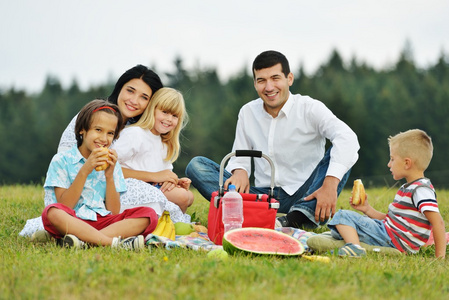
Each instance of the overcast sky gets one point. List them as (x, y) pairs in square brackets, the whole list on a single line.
[(100, 39)]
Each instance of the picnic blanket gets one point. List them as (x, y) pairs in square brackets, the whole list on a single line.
[(202, 242)]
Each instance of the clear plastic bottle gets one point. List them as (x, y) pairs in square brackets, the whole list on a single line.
[(232, 209)]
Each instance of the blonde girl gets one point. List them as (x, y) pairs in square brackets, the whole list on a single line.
[(150, 146)]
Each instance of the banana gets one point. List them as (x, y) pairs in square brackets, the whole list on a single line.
[(169, 230), (319, 258), (160, 227), (165, 227), (173, 230)]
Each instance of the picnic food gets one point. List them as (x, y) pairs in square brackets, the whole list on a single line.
[(105, 165), (358, 192), (165, 226), (200, 228), (217, 254), (319, 258), (183, 228), (263, 241)]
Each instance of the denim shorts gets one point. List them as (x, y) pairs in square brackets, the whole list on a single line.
[(370, 231)]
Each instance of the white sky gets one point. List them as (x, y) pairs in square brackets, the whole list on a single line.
[(93, 41)]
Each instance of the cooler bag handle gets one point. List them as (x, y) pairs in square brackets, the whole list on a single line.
[(250, 153)]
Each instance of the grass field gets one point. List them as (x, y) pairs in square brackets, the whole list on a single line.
[(36, 271)]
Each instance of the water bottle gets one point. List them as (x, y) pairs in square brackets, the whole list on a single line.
[(232, 209)]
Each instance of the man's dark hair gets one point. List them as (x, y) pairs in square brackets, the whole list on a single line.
[(271, 58)]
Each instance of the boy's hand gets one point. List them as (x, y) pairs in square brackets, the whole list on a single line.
[(360, 207), (439, 232)]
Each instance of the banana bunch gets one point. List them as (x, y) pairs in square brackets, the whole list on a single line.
[(165, 226)]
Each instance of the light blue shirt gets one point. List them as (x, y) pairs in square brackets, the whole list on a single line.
[(62, 172)]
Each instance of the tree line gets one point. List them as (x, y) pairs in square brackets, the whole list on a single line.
[(374, 103)]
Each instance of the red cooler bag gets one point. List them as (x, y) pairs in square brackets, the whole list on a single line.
[(258, 210)]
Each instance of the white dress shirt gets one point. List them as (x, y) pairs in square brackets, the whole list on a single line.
[(295, 141)]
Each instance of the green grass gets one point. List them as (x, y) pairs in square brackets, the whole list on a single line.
[(33, 271)]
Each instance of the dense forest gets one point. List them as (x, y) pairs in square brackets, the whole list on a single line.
[(374, 103)]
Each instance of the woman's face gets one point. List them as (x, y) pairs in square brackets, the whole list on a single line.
[(133, 98)]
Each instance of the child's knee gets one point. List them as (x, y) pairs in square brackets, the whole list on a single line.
[(53, 214), (151, 214)]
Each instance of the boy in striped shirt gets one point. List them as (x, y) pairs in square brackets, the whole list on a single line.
[(412, 214)]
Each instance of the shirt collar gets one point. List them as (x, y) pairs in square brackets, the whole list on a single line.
[(76, 156), (287, 108)]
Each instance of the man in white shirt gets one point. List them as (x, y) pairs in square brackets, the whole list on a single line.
[(292, 130)]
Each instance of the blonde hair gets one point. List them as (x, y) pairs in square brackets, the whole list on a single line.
[(414, 144), (171, 101)]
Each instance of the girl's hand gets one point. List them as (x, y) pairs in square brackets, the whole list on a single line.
[(112, 159), (184, 183), (95, 159)]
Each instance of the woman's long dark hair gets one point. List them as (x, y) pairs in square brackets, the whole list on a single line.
[(141, 72)]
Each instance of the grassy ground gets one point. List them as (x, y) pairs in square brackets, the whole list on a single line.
[(33, 271)]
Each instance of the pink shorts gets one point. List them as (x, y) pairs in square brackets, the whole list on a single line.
[(102, 222)]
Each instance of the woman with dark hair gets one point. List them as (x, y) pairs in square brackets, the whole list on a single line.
[(131, 93)]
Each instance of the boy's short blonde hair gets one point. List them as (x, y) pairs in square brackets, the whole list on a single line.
[(414, 144)]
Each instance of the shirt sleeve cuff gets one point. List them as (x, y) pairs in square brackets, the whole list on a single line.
[(336, 170)]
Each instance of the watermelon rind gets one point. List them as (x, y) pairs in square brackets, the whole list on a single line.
[(261, 241)]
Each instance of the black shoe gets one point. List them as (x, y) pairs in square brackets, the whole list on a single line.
[(281, 222), (297, 219)]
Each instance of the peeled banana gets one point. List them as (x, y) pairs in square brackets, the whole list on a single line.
[(165, 227)]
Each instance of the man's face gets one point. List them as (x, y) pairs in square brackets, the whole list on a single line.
[(273, 87)]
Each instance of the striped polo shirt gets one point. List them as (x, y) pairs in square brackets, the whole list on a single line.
[(405, 222)]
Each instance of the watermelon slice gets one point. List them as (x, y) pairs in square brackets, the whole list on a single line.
[(261, 241)]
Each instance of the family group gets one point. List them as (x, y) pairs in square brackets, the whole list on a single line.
[(135, 135)]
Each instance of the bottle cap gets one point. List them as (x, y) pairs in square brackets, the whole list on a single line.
[(231, 187)]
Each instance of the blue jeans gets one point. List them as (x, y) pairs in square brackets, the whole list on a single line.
[(204, 174), (370, 231)]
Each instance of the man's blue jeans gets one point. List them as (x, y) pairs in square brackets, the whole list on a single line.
[(204, 174)]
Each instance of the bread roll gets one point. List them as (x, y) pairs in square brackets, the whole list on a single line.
[(105, 165), (358, 192)]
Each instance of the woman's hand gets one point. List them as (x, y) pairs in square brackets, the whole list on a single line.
[(167, 186)]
